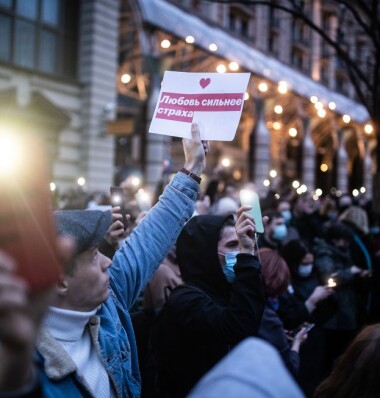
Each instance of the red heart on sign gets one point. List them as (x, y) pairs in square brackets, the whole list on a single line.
[(204, 82)]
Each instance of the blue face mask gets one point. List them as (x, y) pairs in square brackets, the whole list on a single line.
[(228, 269), (287, 214), (305, 270), (280, 232)]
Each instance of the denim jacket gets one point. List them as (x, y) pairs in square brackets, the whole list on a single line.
[(111, 329)]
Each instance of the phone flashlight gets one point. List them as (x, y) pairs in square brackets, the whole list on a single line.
[(118, 199), (331, 282)]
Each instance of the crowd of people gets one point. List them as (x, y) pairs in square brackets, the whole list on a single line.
[(189, 301)]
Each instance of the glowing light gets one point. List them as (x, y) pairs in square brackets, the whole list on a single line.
[(315, 197), (237, 175), (234, 66), (303, 187), (295, 184), (226, 162), (324, 167), (190, 39), (166, 43), (125, 78), (278, 109), (273, 173), (318, 105), (277, 125), (293, 132), (53, 187), (362, 189), (263, 87), (313, 99), (277, 196), (332, 105), (282, 87), (321, 113), (212, 47), (318, 192), (346, 118), (135, 181), (81, 181), (368, 128), (10, 154), (355, 193), (116, 199), (246, 96), (266, 183), (331, 282), (221, 68), (143, 198)]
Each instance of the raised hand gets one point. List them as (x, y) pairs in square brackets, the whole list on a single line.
[(195, 151)]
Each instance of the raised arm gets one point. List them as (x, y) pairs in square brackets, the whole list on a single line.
[(136, 261)]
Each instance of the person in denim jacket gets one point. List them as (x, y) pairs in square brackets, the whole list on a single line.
[(86, 346)]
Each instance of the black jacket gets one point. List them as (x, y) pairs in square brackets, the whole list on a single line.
[(204, 318), (329, 259)]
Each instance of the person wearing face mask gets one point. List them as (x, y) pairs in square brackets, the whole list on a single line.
[(333, 260), (306, 301), (275, 232), (220, 303)]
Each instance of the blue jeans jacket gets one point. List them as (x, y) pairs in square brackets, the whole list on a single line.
[(132, 267)]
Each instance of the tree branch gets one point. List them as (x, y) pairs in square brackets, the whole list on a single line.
[(370, 32), (342, 54)]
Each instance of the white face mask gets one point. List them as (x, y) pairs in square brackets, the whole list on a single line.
[(305, 270)]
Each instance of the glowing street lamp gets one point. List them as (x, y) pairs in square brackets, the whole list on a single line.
[(263, 87), (166, 43), (125, 78), (81, 181)]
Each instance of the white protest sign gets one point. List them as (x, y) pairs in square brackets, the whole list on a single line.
[(213, 100)]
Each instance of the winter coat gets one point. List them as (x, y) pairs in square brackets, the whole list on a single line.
[(328, 260), (204, 318)]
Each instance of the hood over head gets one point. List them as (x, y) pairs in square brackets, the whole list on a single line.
[(197, 254)]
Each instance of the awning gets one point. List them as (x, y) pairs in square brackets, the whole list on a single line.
[(179, 23)]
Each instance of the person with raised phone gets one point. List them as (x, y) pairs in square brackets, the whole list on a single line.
[(86, 345), (220, 303)]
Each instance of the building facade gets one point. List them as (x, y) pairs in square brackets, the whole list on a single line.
[(86, 75), (301, 119), (58, 61)]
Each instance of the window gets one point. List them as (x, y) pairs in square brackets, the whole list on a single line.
[(239, 22), (39, 35), (297, 58)]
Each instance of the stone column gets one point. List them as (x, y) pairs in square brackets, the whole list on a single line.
[(259, 154), (98, 53), (342, 162), (308, 160)]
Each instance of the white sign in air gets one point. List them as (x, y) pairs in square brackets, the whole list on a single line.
[(212, 100)]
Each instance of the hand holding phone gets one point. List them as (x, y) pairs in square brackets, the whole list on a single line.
[(27, 231), (250, 198), (118, 199), (307, 326)]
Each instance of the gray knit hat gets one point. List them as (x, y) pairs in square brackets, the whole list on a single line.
[(87, 227)]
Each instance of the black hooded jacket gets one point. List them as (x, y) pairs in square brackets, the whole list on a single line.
[(204, 318)]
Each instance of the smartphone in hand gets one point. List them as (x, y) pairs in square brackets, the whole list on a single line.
[(118, 199), (27, 230), (250, 198), (306, 325)]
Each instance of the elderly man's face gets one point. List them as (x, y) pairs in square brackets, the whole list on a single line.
[(88, 285)]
